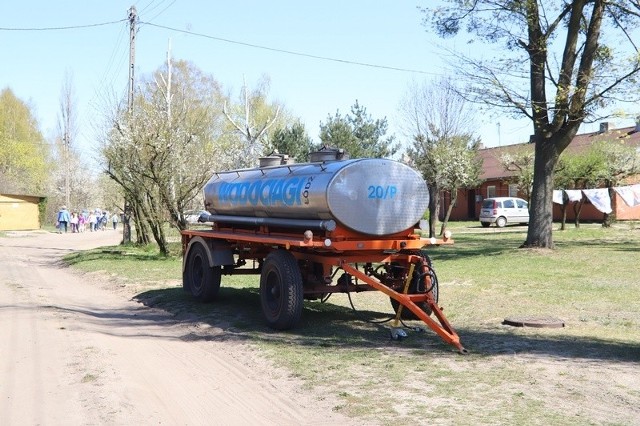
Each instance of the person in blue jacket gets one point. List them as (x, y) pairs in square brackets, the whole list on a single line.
[(63, 219)]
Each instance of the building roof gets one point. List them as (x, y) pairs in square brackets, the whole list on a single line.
[(493, 169), (4, 194)]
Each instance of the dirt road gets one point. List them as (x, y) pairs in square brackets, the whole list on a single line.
[(74, 353)]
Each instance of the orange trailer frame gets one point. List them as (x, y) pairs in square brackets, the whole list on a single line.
[(402, 272)]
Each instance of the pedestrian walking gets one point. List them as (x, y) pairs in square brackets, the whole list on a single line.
[(63, 219), (103, 220), (81, 222), (93, 220), (114, 221), (74, 222)]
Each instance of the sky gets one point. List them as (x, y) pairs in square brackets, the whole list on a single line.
[(384, 33)]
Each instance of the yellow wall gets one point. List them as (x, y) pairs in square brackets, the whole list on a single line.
[(18, 212)]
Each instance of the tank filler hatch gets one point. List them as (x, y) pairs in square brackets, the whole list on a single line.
[(327, 153)]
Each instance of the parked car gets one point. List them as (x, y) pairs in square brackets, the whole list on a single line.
[(503, 211)]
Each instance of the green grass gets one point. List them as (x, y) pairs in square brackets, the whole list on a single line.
[(591, 281), (141, 265)]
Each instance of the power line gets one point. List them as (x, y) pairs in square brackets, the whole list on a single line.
[(289, 52), (255, 46), (109, 73), (163, 10), (73, 27), (150, 7)]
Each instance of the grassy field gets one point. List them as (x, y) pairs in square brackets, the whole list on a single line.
[(585, 373)]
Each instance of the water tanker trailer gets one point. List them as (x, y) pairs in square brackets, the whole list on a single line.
[(309, 230)]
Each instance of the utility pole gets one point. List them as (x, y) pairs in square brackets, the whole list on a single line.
[(168, 100), (66, 118), (133, 17), (67, 158), (169, 83)]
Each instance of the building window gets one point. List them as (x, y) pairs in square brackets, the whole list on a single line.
[(513, 190), (491, 191)]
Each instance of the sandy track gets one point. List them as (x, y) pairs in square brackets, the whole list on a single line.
[(72, 352)]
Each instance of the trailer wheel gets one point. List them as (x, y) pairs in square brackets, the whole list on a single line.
[(202, 280), (413, 289), (281, 292)]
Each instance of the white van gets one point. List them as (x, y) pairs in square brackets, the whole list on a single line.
[(503, 211)]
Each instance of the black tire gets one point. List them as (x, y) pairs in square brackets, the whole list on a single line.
[(485, 224), (200, 279), (501, 222), (413, 289), (281, 292)]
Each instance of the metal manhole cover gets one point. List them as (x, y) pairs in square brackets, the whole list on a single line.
[(538, 322)]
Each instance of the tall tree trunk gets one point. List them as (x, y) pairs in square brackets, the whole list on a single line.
[(159, 236), (434, 207), (142, 231), (577, 209), (609, 218), (154, 220), (452, 203), (126, 223), (540, 229), (565, 204)]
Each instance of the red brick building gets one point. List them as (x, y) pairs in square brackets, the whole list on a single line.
[(497, 182)]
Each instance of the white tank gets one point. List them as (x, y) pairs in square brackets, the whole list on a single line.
[(372, 196)]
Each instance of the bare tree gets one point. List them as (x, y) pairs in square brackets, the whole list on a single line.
[(163, 152), (251, 119), (68, 130), (439, 122), (71, 180), (562, 63)]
